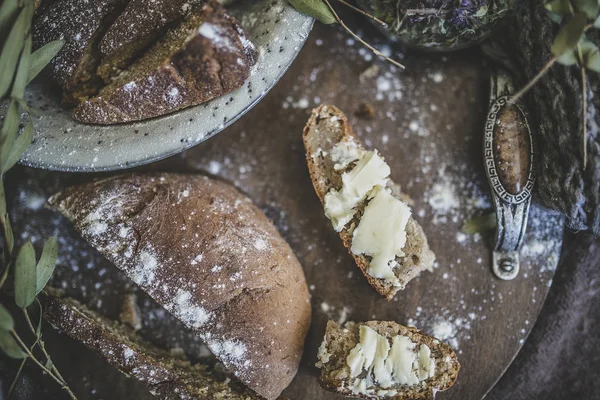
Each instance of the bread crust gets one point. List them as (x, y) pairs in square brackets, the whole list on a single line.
[(80, 25), (343, 338), (208, 255), (326, 127)]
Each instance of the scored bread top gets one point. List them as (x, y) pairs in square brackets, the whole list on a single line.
[(326, 127), (340, 340), (166, 377), (204, 57), (208, 255), (137, 26)]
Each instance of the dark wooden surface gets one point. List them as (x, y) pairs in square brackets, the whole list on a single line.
[(428, 125)]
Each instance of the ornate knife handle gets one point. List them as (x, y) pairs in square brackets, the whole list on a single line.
[(509, 165)]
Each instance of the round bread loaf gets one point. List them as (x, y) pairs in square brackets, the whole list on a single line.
[(208, 255)]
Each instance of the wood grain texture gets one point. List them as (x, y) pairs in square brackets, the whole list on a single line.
[(429, 126)]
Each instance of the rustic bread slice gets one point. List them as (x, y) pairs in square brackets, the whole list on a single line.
[(436, 362), (206, 56), (165, 376), (208, 255), (326, 127), (81, 25), (140, 23)]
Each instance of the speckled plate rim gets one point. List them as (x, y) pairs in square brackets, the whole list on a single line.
[(300, 28)]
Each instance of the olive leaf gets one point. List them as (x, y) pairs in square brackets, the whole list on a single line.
[(11, 122), (47, 263), (589, 7), (481, 12), (569, 35), (314, 8), (591, 55), (25, 276), (8, 11), (597, 23), (480, 224), (558, 7), (42, 56), (6, 320), (18, 89), (11, 51), (568, 59), (10, 347), (18, 147), (38, 329)]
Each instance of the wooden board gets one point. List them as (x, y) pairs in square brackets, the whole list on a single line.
[(429, 126)]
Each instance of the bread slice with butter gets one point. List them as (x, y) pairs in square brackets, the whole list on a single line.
[(385, 360), (363, 204)]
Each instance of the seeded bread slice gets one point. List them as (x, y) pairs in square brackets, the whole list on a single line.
[(206, 56), (166, 377), (339, 340), (80, 24), (326, 127), (140, 23), (208, 255)]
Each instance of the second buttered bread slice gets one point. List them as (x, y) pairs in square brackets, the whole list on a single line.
[(208, 255), (390, 247)]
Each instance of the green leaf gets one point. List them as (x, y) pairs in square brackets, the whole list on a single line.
[(569, 35), (569, 58), (589, 7), (19, 146), (11, 51), (597, 23), (10, 347), (480, 224), (47, 263), (25, 276), (6, 320), (558, 7), (42, 56), (49, 364), (8, 234), (18, 89), (314, 8), (10, 124), (481, 12), (8, 12), (591, 55)]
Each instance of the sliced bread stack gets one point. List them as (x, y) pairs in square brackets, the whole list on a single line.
[(391, 249), (211, 258), (154, 57)]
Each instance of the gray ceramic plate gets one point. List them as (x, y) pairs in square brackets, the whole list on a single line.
[(277, 30)]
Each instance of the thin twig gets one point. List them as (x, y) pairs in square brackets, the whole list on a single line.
[(584, 105), (422, 11), (373, 49), (363, 12), (41, 343), (532, 82), (43, 367)]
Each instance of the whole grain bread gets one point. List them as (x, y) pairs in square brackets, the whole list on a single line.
[(166, 377), (80, 24), (140, 23), (208, 255), (204, 57), (339, 340), (326, 127)]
